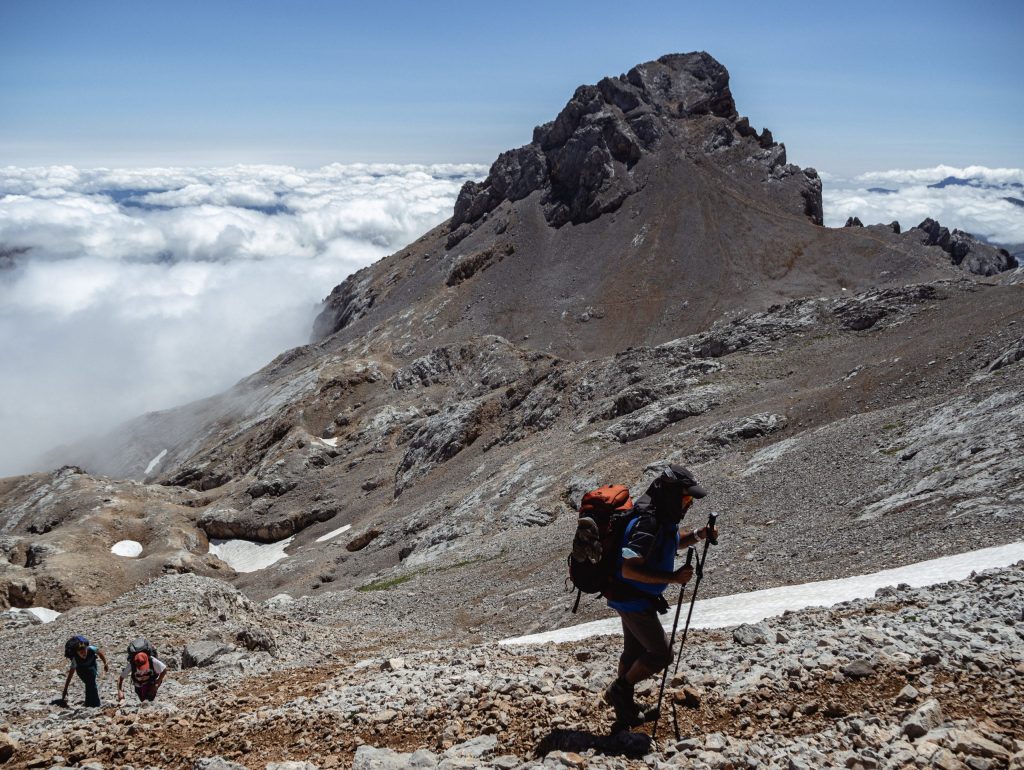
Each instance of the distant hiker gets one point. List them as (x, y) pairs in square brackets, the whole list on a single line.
[(146, 673), (83, 658), (645, 570), (145, 670)]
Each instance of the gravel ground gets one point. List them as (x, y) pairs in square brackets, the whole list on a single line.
[(925, 677)]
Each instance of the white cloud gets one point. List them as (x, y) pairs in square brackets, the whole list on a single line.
[(935, 174), (980, 208), (145, 288)]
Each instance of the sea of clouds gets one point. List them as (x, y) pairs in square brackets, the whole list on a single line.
[(124, 291), (977, 201)]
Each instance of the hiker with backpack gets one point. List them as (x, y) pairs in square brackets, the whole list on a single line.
[(145, 670), (634, 551), (83, 657)]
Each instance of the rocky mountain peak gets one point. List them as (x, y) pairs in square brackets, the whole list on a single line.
[(582, 162)]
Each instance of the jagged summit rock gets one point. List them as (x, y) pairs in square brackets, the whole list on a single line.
[(582, 161)]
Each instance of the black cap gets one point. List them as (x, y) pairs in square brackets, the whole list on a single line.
[(685, 479)]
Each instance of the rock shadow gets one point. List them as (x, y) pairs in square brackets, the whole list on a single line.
[(624, 744)]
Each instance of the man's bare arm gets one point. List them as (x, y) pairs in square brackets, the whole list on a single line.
[(634, 569)]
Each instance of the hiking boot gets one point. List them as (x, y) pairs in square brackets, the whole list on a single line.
[(619, 696)]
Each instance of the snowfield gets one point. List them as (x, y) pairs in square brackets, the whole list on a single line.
[(249, 556), (753, 606)]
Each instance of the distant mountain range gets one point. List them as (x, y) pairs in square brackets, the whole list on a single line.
[(954, 181)]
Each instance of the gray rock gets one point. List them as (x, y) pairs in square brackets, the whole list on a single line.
[(973, 744), (216, 763), (858, 669), (908, 694), (477, 748), (927, 717), (370, 758), (279, 601), (257, 639), (201, 654), (751, 634), (1011, 355)]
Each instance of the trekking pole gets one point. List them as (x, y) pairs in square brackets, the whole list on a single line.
[(699, 573), (708, 541), (675, 623)]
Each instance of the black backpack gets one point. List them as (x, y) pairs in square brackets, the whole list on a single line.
[(140, 645), (605, 514), (72, 645)]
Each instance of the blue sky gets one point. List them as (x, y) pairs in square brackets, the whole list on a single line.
[(849, 87)]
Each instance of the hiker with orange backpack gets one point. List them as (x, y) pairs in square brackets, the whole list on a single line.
[(146, 671), (645, 568)]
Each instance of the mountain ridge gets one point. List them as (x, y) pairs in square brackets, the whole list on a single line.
[(458, 399)]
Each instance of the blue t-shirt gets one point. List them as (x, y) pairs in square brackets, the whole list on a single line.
[(657, 542)]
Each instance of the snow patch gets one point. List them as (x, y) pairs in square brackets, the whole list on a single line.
[(130, 549), (330, 441), (247, 555), (753, 606), (334, 533), (42, 614), (155, 462)]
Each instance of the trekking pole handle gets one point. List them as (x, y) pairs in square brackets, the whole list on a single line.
[(712, 518), (689, 555)]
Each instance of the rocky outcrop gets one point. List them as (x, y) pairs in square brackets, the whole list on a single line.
[(1011, 355), (349, 301), (745, 429), (582, 162), (865, 310), (656, 417), (964, 249), (437, 439), (264, 525)]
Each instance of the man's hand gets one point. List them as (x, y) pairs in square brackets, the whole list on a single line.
[(682, 575), (703, 533)]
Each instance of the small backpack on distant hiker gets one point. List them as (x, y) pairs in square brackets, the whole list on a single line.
[(141, 645), (605, 513), (72, 645)]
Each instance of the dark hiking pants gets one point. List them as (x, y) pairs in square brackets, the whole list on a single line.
[(146, 691), (88, 675), (644, 639)]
